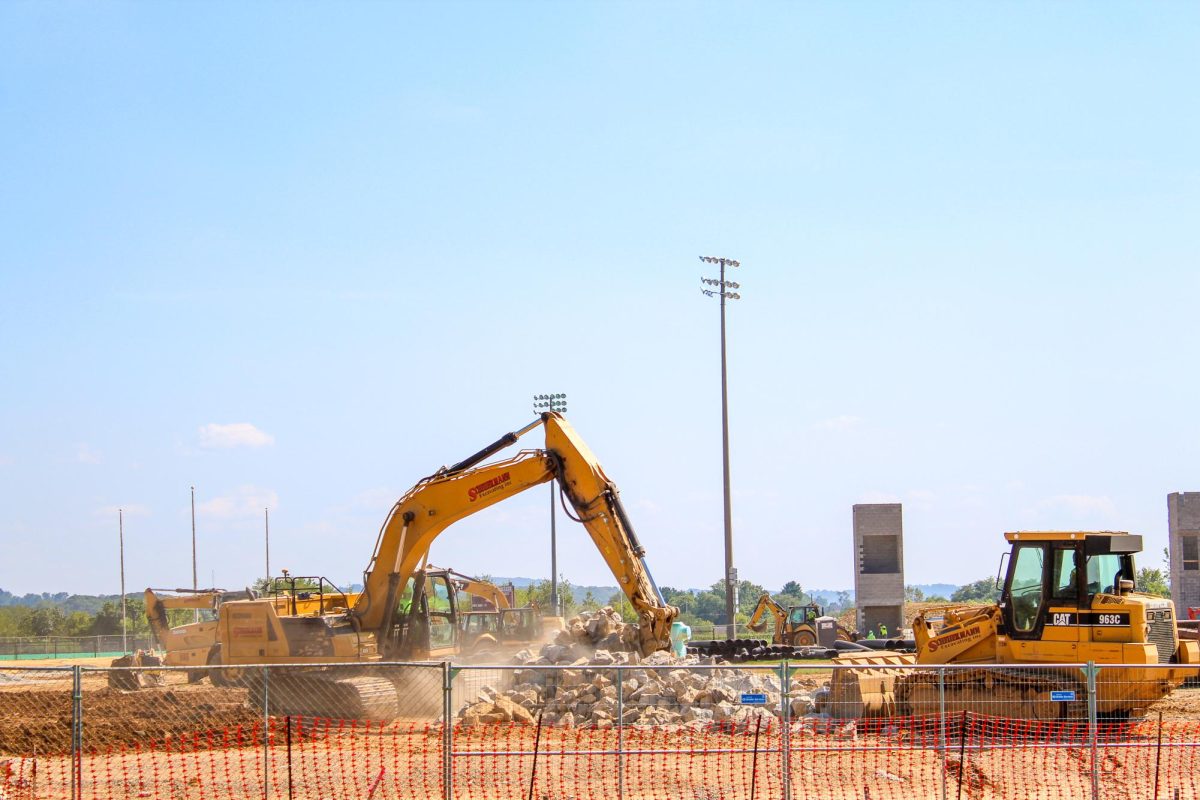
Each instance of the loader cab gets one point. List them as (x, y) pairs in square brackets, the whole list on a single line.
[(1064, 571)]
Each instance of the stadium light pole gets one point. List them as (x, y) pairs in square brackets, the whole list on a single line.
[(124, 616), (267, 540), (721, 289), (552, 402), (195, 581)]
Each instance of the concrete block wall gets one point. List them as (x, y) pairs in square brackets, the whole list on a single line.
[(879, 566), (1183, 525)]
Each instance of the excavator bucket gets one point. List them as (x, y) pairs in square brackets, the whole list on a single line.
[(869, 688), (131, 680)]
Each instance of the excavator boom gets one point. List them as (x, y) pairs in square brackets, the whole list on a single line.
[(453, 493)]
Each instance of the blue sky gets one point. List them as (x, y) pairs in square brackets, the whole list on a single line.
[(371, 232)]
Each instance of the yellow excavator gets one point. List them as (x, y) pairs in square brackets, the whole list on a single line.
[(398, 616), (1067, 598), (795, 625)]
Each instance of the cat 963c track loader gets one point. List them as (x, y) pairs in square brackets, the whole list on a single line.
[(1067, 598)]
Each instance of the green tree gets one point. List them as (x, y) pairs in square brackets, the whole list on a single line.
[(710, 606), (1153, 581), (792, 588), (981, 591), (590, 603), (620, 603), (913, 594), (539, 592), (46, 621)]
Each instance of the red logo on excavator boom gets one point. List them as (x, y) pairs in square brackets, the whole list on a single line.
[(487, 487)]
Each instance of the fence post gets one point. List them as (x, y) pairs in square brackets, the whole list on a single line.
[(620, 734), (76, 732), (266, 732), (785, 739), (942, 724), (1092, 725), (447, 732), (1157, 756)]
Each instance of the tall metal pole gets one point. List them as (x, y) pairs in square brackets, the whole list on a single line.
[(195, 581), (267, 537), (552, 402), (553, 554), (731, 581), (124, 616)]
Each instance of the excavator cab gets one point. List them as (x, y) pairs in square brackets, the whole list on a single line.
[(426, 619)]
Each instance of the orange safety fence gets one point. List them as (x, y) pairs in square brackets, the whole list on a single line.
[(956, 756)]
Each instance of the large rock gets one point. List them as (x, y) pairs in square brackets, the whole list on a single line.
[(512, 711)]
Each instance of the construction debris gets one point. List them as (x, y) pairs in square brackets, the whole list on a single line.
[(586, 693)]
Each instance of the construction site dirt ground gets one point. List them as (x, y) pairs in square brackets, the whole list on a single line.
[(35, 709), (196, 740), (659, 764)]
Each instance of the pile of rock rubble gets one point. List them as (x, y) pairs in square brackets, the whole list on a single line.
[(586, 693)]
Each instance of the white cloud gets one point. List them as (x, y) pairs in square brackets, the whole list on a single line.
[(130, 510), (6, 461), (235, 434), (84, 454), (1082, 505), (244, 502), (845, 422)]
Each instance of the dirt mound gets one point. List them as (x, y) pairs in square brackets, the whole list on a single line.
[(39, 720)]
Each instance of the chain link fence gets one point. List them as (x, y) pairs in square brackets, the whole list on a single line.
[(621, 730), (27, 648)]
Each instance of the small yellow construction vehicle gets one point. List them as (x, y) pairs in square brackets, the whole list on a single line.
[(486, 631), (1067, 598), (404, 613), (795, 625)]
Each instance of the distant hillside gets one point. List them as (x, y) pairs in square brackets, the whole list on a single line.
[(67, 602)]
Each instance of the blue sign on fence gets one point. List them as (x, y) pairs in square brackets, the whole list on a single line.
[(1062, 697), (749, 699)]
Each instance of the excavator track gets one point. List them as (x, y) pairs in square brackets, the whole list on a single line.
[(358, 697)]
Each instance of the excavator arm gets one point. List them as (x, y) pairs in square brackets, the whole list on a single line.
[(488, 591), (157, 606), (456, 492), (766, 604)]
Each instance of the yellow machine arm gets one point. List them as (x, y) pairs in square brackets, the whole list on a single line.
[(156, 608), (766, 604), (488, 591), (463, 489)]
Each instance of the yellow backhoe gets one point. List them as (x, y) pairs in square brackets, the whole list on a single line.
[(1067, 598), (795, 625), (398, 616)]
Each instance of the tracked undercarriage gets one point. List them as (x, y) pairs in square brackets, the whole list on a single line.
[(333, 694)]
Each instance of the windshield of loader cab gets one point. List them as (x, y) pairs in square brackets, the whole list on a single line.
[(1104, 573)]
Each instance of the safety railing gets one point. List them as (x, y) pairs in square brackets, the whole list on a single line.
[(621, 730)]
